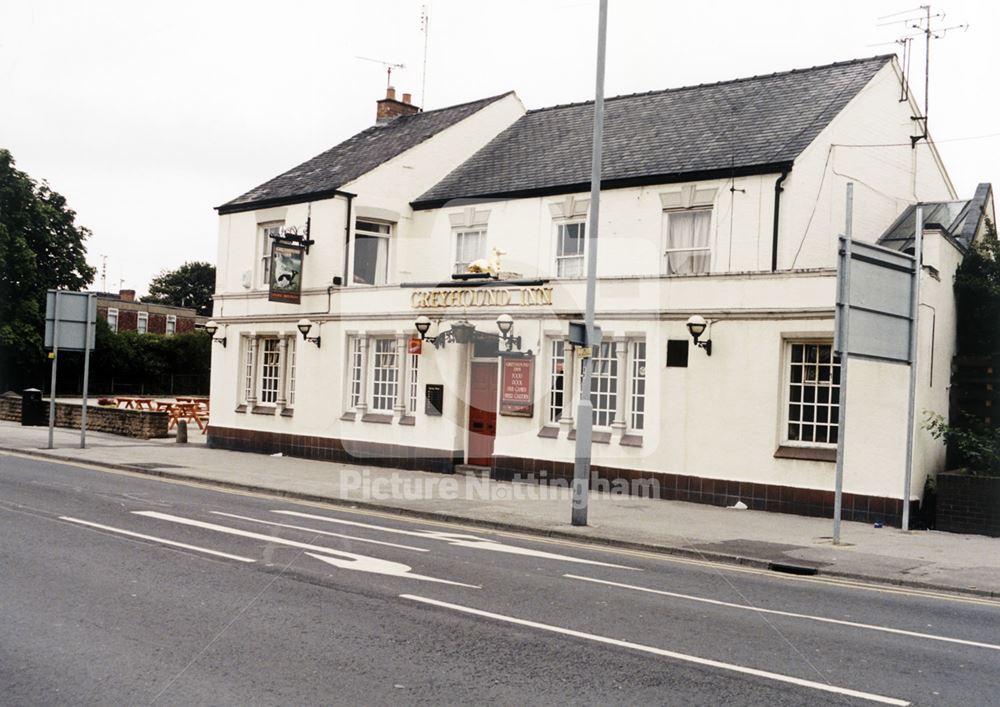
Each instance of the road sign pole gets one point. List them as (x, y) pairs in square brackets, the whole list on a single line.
[(88, 339), (584, 410), (841, 348), (918, 238), (55, 366)]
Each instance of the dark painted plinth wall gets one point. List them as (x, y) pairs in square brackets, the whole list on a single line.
[(335, 450), (673, 487)]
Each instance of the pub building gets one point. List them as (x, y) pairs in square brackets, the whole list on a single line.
[(404, 298)]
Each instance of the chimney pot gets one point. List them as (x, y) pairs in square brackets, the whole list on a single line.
[(388, 108), (126, 295)]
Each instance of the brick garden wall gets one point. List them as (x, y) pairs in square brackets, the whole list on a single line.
[(143, 424)]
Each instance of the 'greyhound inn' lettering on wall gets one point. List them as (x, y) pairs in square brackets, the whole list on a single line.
[(481, 297)]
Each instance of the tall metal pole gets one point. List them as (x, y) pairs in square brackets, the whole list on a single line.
[(918, 245), (55, 364), (842, 349), (585, 410), (88, 342)]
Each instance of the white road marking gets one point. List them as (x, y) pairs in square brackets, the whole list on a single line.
[(163, 541), (321, 532), (778, 677), (841, 622), (460, 540), (351, 561)]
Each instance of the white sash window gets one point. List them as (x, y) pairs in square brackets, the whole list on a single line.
[(687, 243)]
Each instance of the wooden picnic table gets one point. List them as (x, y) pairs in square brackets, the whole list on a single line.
[(192, 412), (200, 400), (134, 403)]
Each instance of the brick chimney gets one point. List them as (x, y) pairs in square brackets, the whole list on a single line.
[(389, 108), (126, 295)]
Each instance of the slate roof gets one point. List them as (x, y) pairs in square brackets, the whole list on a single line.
[(324, 174), (746, 125), (958, 220)]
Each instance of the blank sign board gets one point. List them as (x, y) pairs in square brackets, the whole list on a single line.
[(880, 293), (73, 319)]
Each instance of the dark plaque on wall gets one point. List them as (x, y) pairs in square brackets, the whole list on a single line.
[(433, 399), (677, 353)]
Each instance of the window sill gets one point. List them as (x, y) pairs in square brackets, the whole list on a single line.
[(288, 412), (408, 420), (631, 441), (548, 432), (596, 436), (348, 417), (380, 419), (815, 454), (263, 410), (241, 408)]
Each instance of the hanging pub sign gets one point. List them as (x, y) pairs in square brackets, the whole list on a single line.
[(286, 272), (517, 385)]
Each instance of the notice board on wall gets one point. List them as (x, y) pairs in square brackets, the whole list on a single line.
[(517, 385)]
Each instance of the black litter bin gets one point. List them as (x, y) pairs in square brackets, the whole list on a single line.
[(32, 408)]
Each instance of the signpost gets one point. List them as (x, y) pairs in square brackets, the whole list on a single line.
[(70, 325), (876, 320)]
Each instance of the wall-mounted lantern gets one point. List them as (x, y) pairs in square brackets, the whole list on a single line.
[(463, 332), (305, 326), (697, 325), (211, 328)]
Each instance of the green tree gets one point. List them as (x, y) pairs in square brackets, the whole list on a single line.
[(977, 294), (41, 247), (190, 285)]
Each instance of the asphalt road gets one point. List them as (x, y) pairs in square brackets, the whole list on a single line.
[(123, 589)]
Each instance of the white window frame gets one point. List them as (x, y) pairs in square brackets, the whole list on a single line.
[(557, 380), (264, 232), (381, 271), (638, 387), (268, 371), (290, 352), (112, 317), (384, 374), (142, 323), (355, 372), (560, 257), (461, 264), (247, 369), (414, 373), (814, 406), (668, 216), (171, 325), (605, 415)]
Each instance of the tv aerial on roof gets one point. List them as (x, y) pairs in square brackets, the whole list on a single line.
[(389, 66)]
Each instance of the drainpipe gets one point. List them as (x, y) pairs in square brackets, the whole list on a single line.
[(347, 237), (777, 208)]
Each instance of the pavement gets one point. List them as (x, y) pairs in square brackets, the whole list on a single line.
[(967, 564)]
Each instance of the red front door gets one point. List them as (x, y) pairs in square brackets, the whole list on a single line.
[(482, 412)]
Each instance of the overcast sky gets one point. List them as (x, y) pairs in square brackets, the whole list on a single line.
[(146, 115)]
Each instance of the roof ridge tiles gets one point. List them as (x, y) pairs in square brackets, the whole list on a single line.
[(741, 79)]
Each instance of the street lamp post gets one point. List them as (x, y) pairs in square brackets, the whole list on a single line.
[(585, 410)]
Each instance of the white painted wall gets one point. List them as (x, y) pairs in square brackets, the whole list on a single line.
[(722, 417)]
